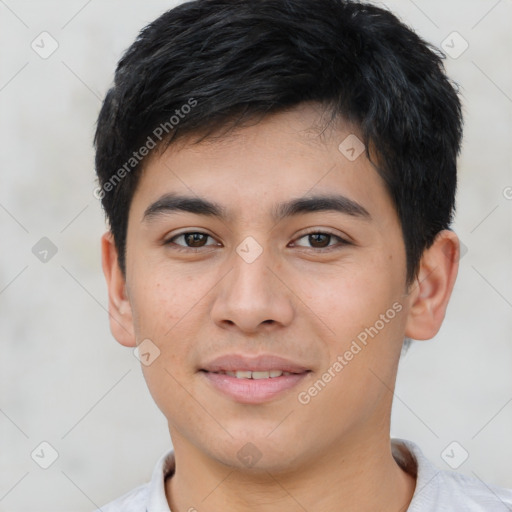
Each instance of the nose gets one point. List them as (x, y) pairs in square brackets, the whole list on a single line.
[(252, 297)]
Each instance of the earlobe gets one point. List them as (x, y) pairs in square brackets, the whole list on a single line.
[(431, 291), (119, 308)]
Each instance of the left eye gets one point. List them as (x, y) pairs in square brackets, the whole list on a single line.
[(320, 240), (192, 239)]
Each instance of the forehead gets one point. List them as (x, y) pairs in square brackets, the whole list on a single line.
[(293, 154)]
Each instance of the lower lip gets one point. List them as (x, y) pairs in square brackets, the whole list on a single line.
[(253, 391)]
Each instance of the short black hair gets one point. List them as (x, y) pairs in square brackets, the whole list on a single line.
[(208, 65)]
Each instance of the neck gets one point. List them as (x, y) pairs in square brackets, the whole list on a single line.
[(356, 475)]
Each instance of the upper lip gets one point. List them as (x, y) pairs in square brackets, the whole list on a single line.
[(262, 362)]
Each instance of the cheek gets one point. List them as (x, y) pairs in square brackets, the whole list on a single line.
[(161, 299), (351, 299), (165, 307), (171, 308)]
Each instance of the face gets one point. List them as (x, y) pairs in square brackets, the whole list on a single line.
[(298, 254)]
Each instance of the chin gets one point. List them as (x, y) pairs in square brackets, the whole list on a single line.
[(256, 452)]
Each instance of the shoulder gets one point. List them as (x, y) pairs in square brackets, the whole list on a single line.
[(444, 491), (149, 496), (475, 494), (133, 501)]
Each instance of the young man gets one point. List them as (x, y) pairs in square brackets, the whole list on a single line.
[(279, 179)]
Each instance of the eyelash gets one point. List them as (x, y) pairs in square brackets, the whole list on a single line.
[(342, 242)]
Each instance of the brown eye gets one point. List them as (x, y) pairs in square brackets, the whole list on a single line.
[(195, 239), (190, 239), (321, 240)]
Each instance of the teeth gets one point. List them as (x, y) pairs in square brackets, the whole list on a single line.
[(244, 374), (260, 375)]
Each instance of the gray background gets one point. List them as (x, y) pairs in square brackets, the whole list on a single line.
[(64, 380)]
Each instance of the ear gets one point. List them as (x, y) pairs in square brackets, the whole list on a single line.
[(119, 308), (431, 291)]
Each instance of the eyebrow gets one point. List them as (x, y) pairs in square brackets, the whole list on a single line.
[(171, 203)]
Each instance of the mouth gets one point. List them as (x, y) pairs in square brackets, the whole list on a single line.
[(256, 364), (256, 375), (253, 379), (253, 387)]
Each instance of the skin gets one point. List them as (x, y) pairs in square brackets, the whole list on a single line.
[(294, 300)]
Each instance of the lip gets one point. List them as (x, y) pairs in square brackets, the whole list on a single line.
[(253, 391), (262, 362)]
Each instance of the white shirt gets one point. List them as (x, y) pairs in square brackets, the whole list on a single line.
[(436, 491)]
